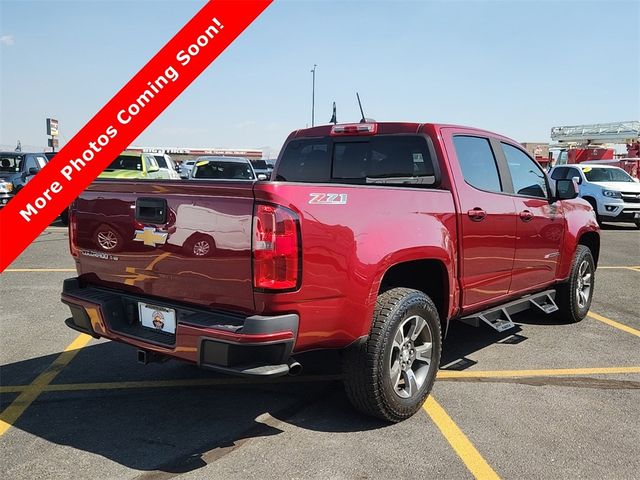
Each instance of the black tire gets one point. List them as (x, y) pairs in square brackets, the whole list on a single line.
[(199, 245), (595, 210), (637, 222), (368, 367), (572, 308), (107, 238)]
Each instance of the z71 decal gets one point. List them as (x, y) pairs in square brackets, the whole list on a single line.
[(328, 199)]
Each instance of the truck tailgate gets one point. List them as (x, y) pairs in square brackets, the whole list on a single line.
[(183, 241)]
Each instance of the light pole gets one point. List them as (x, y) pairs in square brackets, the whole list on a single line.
[(313, 95)]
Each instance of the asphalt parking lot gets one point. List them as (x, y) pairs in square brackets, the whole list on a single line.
[(550, 400)]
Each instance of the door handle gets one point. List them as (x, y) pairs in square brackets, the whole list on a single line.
[(526, 216), (477, 214)]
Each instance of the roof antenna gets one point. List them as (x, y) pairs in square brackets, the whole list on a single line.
[(334, 119), (362, 120)]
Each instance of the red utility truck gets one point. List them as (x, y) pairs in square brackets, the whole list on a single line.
[(370, 238)]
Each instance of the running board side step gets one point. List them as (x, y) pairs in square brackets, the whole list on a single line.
[(499, 318)]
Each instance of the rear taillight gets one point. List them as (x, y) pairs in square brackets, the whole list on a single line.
[(73, 231), (276, 248)]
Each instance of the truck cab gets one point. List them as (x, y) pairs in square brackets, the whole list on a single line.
[(16, 169)]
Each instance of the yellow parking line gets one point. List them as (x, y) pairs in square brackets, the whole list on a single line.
[(552, 372), (10, 414), (40, 270), (469, 455), (632, 267), (614, 324)]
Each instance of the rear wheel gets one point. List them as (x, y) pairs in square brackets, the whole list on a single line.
[(392, 373), (638, 224), (199, 245), (107, 238), (574, 297)]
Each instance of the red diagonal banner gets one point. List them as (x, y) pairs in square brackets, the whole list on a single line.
[(121, 120)]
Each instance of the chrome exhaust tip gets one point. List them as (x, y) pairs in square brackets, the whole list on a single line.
[(295, 368)]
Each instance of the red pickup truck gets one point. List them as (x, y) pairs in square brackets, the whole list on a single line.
[(370, 238)]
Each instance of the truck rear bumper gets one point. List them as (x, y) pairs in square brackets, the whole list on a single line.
[(254, 345)]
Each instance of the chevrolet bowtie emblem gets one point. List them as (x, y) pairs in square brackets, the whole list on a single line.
[(150, 236)]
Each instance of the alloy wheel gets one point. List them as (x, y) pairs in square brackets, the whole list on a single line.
[(107, 239), (583, 284), (201, 248), (411, 356)]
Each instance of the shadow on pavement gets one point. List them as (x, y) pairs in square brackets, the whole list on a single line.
[(182, 428), (172, 429)]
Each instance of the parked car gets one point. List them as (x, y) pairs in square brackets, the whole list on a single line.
[(131, 165), (261, 167), (612, 192), (166, 165), (186, 167), (372, 240), (16, 169), (223, 168)]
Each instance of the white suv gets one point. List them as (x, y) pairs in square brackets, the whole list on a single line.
[(612, 192)]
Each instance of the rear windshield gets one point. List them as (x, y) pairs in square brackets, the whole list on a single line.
[(223, 171), (10, 162), (378, 159), (126, 162)]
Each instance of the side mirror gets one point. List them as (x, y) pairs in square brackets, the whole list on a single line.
[(262, 176), (152, 168), (32, 171), (635, 180), (578, 180), (566, 189)]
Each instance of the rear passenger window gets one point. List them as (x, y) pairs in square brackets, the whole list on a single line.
[(477, 162), (306, 161)]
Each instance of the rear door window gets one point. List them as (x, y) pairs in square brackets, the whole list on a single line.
[(477, 162)]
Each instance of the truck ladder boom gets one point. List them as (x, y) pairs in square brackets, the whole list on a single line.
[(616, 132)]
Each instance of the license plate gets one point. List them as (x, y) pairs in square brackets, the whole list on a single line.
[(158, 318)]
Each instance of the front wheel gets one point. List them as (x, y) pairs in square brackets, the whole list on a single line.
[(574, 297), (392, 373)]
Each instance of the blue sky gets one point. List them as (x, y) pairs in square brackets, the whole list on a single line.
[(515, 67)]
